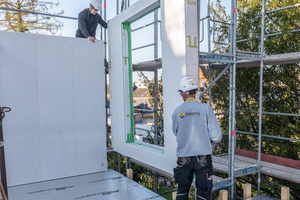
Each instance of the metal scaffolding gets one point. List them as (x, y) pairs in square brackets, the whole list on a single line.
[(230, 61), (213, 60)]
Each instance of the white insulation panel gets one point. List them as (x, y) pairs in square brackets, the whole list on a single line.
[(174, 67), (56, 89)]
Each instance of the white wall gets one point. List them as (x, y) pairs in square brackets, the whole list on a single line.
[(55, 88)]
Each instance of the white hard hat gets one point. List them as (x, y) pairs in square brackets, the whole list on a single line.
[(188, 84), (96, 4)]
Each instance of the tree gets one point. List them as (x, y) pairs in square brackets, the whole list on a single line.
[(27, 22), (281, 84), (150, 85)]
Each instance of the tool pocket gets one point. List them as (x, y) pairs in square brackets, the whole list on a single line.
[(204, 180), (209, 182), (181, 172)]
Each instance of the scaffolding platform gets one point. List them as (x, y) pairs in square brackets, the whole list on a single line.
[(223, 60), (244, 166), (262, 197), (96, 186), (278, 59)]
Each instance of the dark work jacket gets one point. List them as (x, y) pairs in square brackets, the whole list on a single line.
[(87, 24)]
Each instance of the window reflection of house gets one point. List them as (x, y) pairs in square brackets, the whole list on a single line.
[(141, 103), (203, 75)]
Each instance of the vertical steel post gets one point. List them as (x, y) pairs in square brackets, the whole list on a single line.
[(126, 164), (155, 91), (119, 163), (198, 22), (104, 18), (261, 92), (233, 91), (155, 75), (117, 7), (209, 47)]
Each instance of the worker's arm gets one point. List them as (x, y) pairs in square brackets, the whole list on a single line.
[(174, 124), (82, 24), (102, 22), (214, 128)]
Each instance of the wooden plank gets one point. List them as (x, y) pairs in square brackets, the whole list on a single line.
[(220, 164), (270, 158)]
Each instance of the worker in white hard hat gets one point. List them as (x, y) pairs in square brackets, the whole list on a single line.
[(88, 20), (196, 129)]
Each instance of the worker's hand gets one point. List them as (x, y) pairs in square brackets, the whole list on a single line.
[(92, 39), (213, 144)]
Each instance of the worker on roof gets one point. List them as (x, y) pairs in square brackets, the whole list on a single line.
[(88, 20), (196, 129)]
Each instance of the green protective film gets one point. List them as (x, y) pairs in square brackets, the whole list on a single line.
[(130, 136), (126, 26)]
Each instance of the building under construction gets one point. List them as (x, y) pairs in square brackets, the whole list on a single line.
[(53, 139)]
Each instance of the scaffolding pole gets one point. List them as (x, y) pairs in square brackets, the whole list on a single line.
[(155, 91), (260, 94), (209, 47)]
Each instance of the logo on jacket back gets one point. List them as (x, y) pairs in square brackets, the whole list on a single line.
[(181, 115)]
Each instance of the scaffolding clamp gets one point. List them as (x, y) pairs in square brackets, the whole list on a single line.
[(231, 88), (3, 110)]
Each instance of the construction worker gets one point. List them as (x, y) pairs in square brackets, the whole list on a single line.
[(88, 20), (196, 129)]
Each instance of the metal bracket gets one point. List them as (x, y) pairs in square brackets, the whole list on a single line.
[(3, 110), (1, 144), (246, 171), (221, 184)]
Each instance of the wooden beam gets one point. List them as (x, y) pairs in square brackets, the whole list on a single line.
[(223, 195), (129, 174), (2, 192), (247, 191), (285, 193), (174, 195)]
